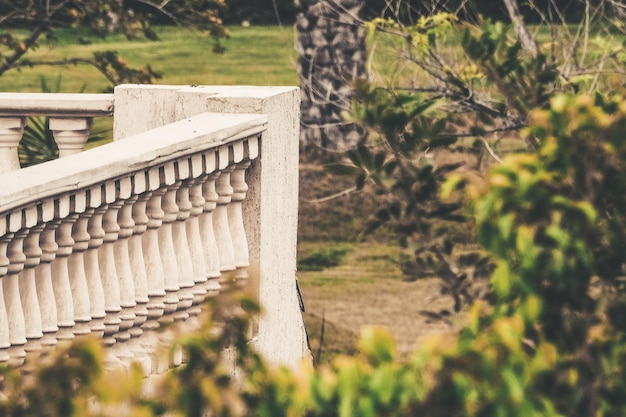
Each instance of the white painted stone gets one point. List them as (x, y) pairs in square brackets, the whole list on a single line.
[(78, 274), (196, 165), (5, 342), (11, 130), (15, 221), (56, 104), (115, 159), (108, 273), (194, 241), (140, 183), (28, 289), (207, 235), (92, 271), (182, 252), (31, 216), (123, 266), (167, 249), (152, 255), (270, 210), (45, 291), (62, 206), (61, 282), (224, 156), (238, 151), (47, 210), (12, 299), (253, 147), (235, 215), (136, 255), (70, 134), (268, 214), (221, 221)]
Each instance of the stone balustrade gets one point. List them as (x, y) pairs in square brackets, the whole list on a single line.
[(71, 118), (199, 185)]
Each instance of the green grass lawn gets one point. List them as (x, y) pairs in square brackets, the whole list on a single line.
[(254, 56)]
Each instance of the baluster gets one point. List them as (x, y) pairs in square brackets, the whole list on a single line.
[(135, 252), (194, 240), (152, 255), (237, 230), (45, 287), (77, 270), (221, 221), (154, 273), (11, 130), (70, 134), (166, 241), (5, 342), (108, 273), (140, 277), (207, 234), (12, 299), (124, 271), (92, 264), (167, 249), (182, 253), (28, 289), (61, 283)]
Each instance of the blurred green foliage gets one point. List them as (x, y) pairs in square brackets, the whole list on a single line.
[(326, 257)]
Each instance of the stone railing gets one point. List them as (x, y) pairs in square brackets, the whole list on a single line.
[(71, 118), (117, 240)]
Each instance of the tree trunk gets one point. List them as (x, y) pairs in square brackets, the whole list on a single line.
[(528, 43), (331, 44)]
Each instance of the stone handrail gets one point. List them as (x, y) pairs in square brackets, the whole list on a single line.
[(71, 118), (116, 239), (198, 183)]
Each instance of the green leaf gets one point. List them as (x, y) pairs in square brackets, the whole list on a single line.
[(501, 280), (514, 386), (442, 141), (452, 183), (477, 131), (377, 344), (438, 127)]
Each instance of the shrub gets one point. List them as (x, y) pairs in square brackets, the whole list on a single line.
[(323, 258)]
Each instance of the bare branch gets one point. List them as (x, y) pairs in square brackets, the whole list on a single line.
[(491, 152), (333, 196), (72, 61), (528, 43), (22, 49), (161, 8)]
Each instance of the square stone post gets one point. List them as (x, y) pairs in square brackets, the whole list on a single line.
[(271, 206)]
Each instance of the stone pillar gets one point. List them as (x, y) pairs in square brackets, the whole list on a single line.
[(270, 211)]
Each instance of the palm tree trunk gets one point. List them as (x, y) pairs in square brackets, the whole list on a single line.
[(528, 43)]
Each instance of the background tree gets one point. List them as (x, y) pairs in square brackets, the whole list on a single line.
[(448, 92), (331, 44), (24, 26)]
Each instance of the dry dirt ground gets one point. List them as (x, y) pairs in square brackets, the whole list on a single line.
[(367, 288)]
